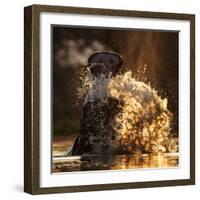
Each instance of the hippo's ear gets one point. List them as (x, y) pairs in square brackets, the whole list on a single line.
[(113, 57)]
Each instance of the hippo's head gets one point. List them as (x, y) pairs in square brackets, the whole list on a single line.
[(104, 62)]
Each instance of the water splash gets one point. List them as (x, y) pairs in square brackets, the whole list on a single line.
[(144, 123)]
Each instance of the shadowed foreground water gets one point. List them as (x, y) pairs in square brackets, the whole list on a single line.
[(131, 161), (61, 163)]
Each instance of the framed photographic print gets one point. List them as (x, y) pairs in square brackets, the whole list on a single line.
[(109, 99)]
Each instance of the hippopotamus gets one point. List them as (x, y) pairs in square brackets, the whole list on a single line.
[(97, 135)]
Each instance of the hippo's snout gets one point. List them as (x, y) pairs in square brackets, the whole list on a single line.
[(105, 62), (98, 68)]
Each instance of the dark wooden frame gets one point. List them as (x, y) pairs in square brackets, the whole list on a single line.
[(32, 107)]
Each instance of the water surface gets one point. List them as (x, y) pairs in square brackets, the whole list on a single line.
[(131, 161), (62, 163)]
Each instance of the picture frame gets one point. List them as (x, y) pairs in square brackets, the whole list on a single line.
[(34, 76)]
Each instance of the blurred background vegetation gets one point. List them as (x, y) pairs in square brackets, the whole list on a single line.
[(157, 50)]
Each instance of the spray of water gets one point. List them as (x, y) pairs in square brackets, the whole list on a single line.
[(144, 123)]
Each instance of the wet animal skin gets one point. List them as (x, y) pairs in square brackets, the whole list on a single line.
[(93, 139)]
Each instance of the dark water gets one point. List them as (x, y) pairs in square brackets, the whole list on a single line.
[(117, 162)]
